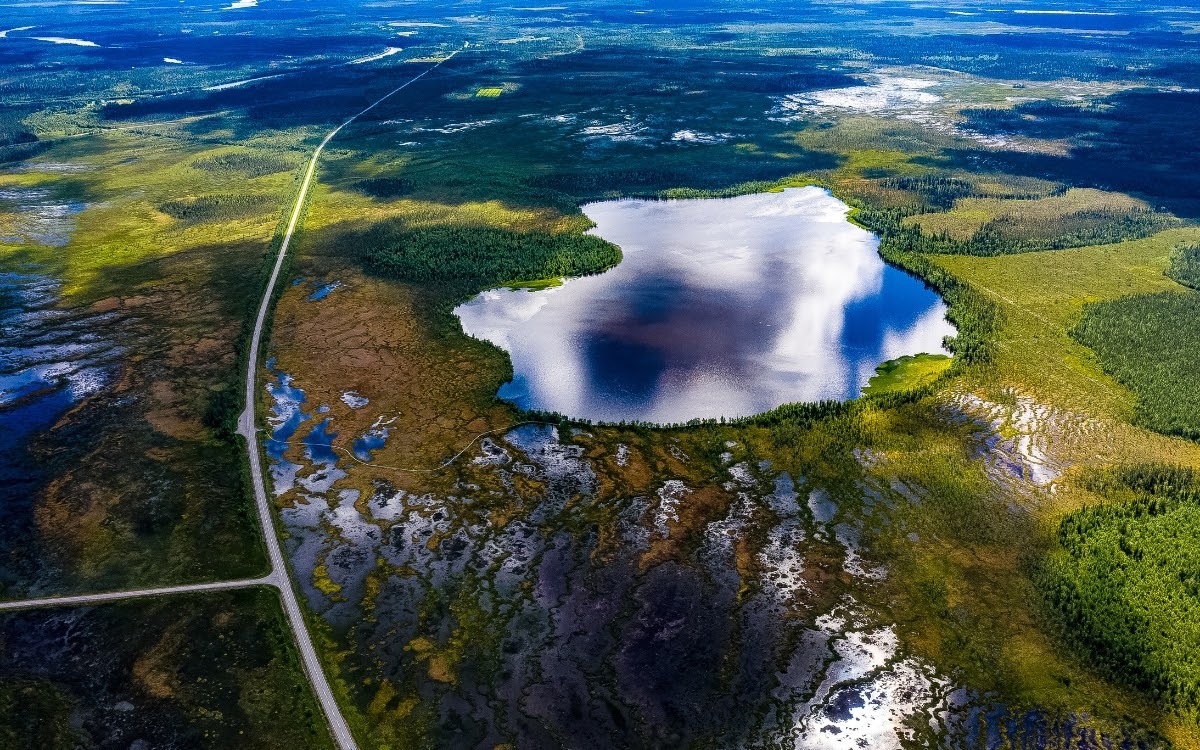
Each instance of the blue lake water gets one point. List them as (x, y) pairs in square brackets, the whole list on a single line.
[(720, 308)]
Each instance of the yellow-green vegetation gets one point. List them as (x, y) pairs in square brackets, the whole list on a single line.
[(133, 186), (483, 91), (907, 373), (321, 580), (1042, 297), (1002, 225), (1031, 216), (537, 284), (960, 224)]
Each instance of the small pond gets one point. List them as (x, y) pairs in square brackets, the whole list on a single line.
[(720, 308)]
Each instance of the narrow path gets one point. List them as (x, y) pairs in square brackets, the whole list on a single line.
[(247, 429), (85, 599), (278, 577)]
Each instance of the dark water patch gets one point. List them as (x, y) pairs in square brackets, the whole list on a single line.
[(319, 444), (286, 414), (372, 440), (332, 575), (285, 419), (974, 722), (324, 291), (523, 627), (583, 645)]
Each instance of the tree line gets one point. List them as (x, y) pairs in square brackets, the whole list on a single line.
[(483, 257)]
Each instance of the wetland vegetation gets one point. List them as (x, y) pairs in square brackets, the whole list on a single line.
[(213, 671), (999, 542)]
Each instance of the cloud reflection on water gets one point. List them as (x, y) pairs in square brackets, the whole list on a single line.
[(720, 308)]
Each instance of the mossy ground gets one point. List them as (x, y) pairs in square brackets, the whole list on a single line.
[(907, 373), (205, 671)]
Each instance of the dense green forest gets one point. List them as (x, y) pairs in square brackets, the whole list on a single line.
[(1079, 229), (938, 192), (1151, 344), (17, 141), (218, 207), (243, 164), (1125, 581), (483, 257), (384, 188), (1185, 265)]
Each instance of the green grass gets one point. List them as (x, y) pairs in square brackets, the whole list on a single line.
[(537, 284), (1151, 344), (1041, 297), (907, 373)]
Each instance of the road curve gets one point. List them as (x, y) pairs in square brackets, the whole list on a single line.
[(246, 428)]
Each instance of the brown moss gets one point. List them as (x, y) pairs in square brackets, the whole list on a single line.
[(155, 670)]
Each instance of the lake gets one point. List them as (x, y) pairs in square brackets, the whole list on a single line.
[(720, 308)]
